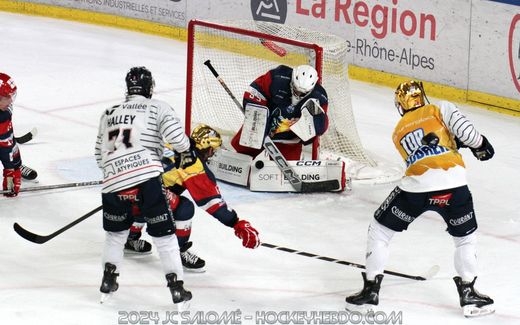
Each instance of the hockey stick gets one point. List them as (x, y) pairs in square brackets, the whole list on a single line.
[(273, 47), (276, 155), (27, 137), (38, 239), (57, 186), (429, 274)]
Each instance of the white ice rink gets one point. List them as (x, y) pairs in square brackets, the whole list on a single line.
[(68, 73)]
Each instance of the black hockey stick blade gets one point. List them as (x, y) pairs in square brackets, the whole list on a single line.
[(39, 239), (428, 275), (29, 235), (320, 186), (27, 137)]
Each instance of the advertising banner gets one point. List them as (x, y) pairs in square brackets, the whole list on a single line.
[(471, 45), (407, 37), (169, 12), (495, 48)]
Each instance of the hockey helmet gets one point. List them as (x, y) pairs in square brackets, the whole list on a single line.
[(139, 81), (409, 95), (303, 80), (207, 140), (8, 91)]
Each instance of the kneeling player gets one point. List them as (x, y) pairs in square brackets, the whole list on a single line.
[(181, 174)]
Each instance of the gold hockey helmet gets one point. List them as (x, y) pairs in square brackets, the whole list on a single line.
[(206, 137), (409, 95)]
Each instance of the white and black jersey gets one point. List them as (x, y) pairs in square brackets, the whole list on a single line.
[(130, 141)]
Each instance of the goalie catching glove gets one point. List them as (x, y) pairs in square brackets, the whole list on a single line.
[(247, 233), (312, 118)]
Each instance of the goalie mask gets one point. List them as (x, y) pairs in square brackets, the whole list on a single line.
[(7, 91), (207, 140), (303, 80), (409, 95), (139, 81)]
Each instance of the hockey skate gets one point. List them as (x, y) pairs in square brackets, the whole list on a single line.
[(138, 247), (28, 173), (472, 302), (365, 300), (180, 296), (190, 261), (108, 283)]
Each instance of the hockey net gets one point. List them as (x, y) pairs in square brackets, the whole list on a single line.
[(243, 50)]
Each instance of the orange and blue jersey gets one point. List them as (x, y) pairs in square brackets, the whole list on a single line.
[(431, 168)]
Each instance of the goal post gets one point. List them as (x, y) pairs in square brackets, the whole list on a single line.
[(243, 50)]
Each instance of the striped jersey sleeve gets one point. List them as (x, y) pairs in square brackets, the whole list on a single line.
[(172, 130), (459, 125)]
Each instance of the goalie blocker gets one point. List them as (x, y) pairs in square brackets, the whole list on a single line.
[(263, 175)]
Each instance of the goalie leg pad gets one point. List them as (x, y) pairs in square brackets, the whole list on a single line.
[(231, 167), (255, 125), (267, 177)]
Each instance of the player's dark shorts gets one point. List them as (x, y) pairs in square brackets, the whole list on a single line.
[(148, 199), (455, 205)]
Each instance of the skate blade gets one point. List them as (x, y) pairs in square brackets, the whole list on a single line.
[(31, 181), (190, 270), (182, 306), (104, 297), (134, 253), (362, 309), (470, 311)]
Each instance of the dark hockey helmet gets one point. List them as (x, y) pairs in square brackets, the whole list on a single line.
[(139, 81), (409, 95), (207, 140), (8, 91)]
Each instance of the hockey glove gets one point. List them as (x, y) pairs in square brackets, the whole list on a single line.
[(186, 158), (485, 151), (459, 143), (431, 140), (313, 106), (12, 181), (247, 233)]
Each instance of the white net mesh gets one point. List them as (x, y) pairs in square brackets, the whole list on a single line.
[(241, 51)]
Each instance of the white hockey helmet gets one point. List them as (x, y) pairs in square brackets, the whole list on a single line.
[(304, 78)]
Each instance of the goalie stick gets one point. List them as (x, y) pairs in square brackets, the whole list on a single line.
[(276, 155), (27, 137), (39, 239), (53, 187), (428, 275)]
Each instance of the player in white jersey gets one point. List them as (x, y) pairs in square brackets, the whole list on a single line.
[(128, 150), (428, 137)]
